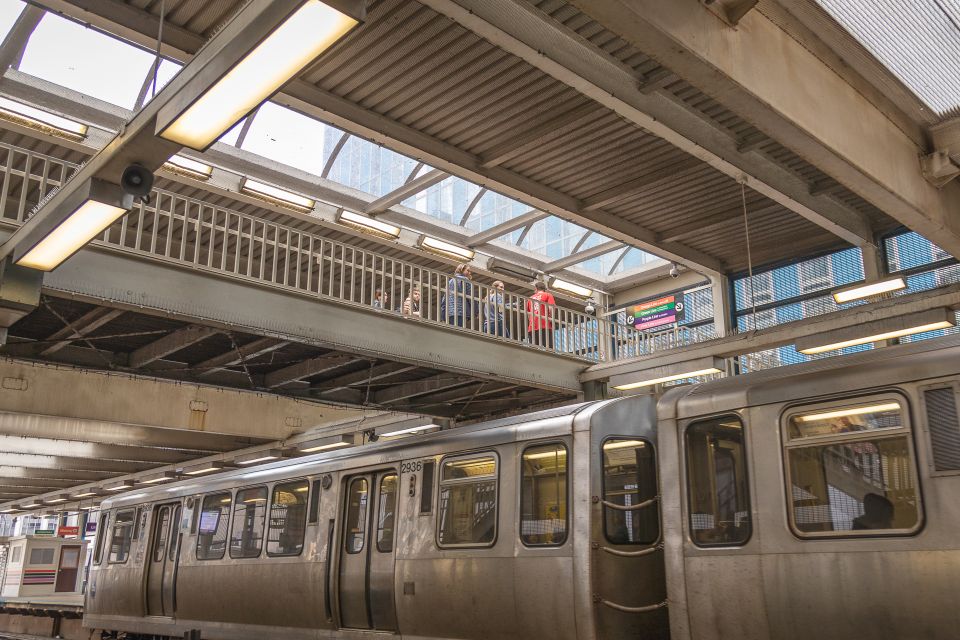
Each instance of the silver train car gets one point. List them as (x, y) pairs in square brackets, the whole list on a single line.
[(809, 501)]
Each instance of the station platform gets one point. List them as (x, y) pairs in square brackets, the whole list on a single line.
[(42, 617)]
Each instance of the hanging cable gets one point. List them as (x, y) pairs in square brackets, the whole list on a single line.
[(156, 62), (746, 229)]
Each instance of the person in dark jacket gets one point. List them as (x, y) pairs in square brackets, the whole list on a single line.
[(459, 306), (493, 322)]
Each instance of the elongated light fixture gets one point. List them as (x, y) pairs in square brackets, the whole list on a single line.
[(56, 499), (188, 167), (205, 467), (860, 291), (87, 492), (163, 476), (123, 485), (276, 195), (668, 373), (570, 287), (93, 208), (877, 331), (306, 33), (257, 457), (367, 224), (324, 444), (40, 120), (444, 248), (424, 428), (850, 411)]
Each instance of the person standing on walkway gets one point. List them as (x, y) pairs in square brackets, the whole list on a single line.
[(459, 304), (411, 306), (493, 322), (539, 312)]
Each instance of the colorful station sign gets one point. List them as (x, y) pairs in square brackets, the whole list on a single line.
[(655, 313)]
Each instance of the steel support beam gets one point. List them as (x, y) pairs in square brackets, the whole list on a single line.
[(858, 145), (521, 29), (497, 231), (400, 194), (168, 344), (407, 390), (11, 51), (97, 451), (77, 329), (249, 351), (306, 369), (371, 374)]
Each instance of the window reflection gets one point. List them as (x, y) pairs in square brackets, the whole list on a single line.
[(719, 502), (630, 478), (543, 495)]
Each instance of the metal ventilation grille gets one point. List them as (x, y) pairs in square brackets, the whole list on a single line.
[(944, 428)]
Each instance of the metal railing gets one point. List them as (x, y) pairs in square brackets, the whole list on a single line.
[(198, 235)]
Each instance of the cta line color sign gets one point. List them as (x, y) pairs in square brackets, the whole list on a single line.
[(655, 313)]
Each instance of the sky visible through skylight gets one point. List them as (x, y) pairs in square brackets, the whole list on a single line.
[(91, 62)]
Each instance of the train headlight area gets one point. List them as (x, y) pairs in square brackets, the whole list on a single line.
[(639, 516)]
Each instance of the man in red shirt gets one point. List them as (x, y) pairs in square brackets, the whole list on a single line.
[(539, 311)]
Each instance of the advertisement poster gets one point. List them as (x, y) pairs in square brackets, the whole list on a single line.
[(651, 314), (63, 532)]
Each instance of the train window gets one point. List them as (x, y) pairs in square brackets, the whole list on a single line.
[(246, 536), (851, 470), (719, 497), (121, 537), (101, 537), (426, 487), (386, 511), (356, 523), (543, 495), (214, 526), (288, 518), (314, 516), (467, 514), (631, 514)]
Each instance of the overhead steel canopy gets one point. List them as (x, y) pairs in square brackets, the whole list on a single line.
[(581, 126)]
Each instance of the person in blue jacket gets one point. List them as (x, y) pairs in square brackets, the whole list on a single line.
[(458, 305)]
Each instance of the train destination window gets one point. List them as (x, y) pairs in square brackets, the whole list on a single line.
[(629, 479), (214, 526), (719, 497), (246, 536), (288, 518), (101, 537), (467, 514), (386, 512), (851, 470), (121, 537), (543, 495), (426, 487), (356, 523)]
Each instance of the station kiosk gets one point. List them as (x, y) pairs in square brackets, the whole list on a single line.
[(42, 568)]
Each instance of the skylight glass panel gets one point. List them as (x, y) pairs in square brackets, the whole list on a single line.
[(165, 73), (291, 138), (9, 12), (554, 238), (446, 200), (368, 167), (918, 41), (85, 60), (493, 209)]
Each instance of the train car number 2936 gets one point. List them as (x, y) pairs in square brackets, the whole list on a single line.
[(411, 467)]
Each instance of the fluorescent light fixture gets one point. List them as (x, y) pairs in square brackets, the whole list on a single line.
[(294, 44), (667, 373), (188, 167), (165, 476), (569, 287), (445, 248), (261, 456), (425, 428), (28, 116), (276, 195), (323, 444), (849, 294), (854, 411), (623, 444), (92, 208), (876, 331), (123, 485), (30, 505), (87, 493), (556, 453), (60, 497), (367, 224), (205, 467), (11, 509)]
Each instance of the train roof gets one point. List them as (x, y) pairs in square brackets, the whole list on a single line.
[(875, 368), (541, 423)]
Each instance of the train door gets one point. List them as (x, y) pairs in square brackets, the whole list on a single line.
[(366, 598), (162, 560), (68, 569)]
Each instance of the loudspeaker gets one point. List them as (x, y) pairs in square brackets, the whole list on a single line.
[(137, 181)]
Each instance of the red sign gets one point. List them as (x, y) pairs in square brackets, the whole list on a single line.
[(67, 531)]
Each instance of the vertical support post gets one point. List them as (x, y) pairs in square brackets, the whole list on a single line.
[(19, 294), (874, 265), (722, 307), (594, 390)]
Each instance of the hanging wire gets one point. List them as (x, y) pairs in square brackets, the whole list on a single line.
[(156, 62), (746, 229)]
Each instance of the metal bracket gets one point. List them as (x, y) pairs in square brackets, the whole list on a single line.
[(939, 168), (730, 11)]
